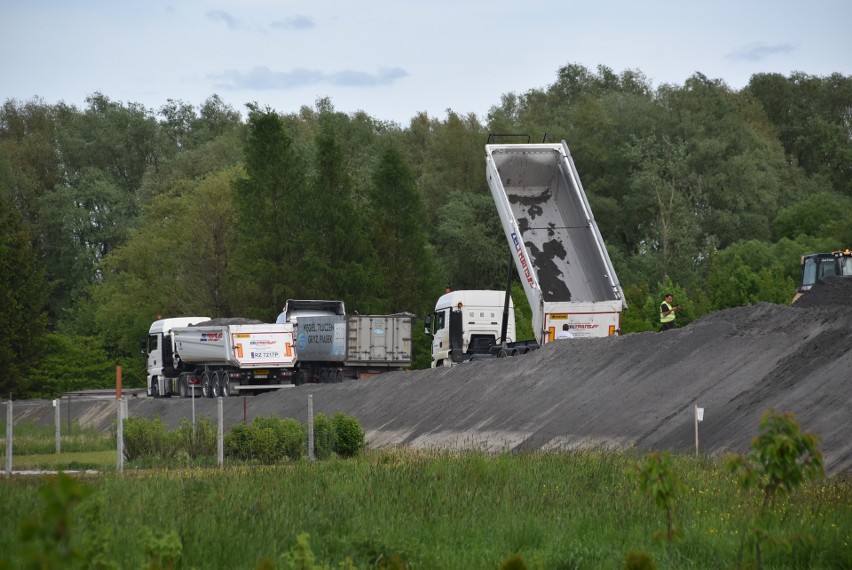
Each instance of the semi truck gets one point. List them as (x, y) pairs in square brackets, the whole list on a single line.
[(556, 249), (332, 346), (191, 356)]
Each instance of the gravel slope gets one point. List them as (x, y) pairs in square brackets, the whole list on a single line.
[(636, 390)]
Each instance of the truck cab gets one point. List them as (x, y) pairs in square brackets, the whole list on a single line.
[(466, 324), (160, 347)]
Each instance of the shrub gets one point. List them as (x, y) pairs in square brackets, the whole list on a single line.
[(147, 438), (514, 562), (324, 437), (238, 442), (658, 480), (199, 441), (638, 560), (782, 458), (348, 435), (289, 436)]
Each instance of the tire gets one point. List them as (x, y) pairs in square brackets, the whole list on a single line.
[(206, 385), (225, 385), (324, 376), (216, 384), (155, 387), (182, 389), (514, 352), (338, 377), (300, 378), (503, 353)]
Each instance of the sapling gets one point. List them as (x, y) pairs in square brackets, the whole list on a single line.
[(782, 458)]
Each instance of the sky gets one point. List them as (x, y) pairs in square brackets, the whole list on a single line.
[(395, 59)]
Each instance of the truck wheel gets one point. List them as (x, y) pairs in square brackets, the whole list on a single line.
[(503, 353), (324, 376), (215, 385), (338, 377), (155, 387), (300, 378), (206, 388), (514, 352), (182, 387), (225, 385)]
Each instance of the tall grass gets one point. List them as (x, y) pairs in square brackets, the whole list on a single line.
[(444, 510), (31, 439)]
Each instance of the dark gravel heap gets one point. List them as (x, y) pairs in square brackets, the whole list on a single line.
[(832, 292), (636, 391)]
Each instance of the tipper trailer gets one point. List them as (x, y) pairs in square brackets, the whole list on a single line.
[(557, 250), (218, 357), (332, 346), (556, 245)]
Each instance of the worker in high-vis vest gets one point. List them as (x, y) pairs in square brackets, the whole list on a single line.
[(667, 312)]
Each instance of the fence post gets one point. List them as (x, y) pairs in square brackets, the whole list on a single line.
[(220, 435), (120, 438), (9, 438), (310, 427), (56, 417)]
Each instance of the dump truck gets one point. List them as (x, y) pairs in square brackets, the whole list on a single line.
[(556, 249), (818, 266), (191, 356), (332, 346)]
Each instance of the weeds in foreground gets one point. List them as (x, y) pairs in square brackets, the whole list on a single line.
[(782, 458)]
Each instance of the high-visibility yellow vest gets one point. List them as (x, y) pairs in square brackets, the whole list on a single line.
[(671, 315)]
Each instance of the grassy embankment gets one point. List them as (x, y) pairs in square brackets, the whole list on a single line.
[(442, 510)]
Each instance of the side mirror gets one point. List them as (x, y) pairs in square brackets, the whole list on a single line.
[(143, 347), (427, 321)]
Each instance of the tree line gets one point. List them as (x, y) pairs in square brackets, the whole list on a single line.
[(115, 214)]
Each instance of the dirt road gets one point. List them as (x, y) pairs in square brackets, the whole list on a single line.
[(637, 390)]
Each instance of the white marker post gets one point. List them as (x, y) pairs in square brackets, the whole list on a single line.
[(699, 417)]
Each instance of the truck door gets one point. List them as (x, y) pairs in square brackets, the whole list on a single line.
[(457, 335), (440, 338), (155, 356)]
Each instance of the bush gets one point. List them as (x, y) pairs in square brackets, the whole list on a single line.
[(238, 442), (348, 435), (268, 439), (197, 442), (147, 438), (324, 437)]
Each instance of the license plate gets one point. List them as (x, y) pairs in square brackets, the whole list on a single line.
[(258, 372)]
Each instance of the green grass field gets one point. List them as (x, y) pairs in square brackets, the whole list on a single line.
[(404, 509)]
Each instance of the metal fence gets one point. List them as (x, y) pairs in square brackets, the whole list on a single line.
[(121, 415)]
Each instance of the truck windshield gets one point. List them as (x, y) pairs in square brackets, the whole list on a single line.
[(809, 272)]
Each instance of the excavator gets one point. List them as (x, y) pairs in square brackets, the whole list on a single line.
[(818, 266)]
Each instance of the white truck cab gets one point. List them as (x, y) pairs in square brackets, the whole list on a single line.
[(466, 323), (160, 347)]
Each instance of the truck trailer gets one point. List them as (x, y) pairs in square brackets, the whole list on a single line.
[(556, 249), (332, 346), (218, 357)]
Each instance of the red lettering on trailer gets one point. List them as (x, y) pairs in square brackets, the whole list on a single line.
[(523, 259)]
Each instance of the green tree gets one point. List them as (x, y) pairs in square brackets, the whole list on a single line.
[(811, 115), (273, 229), (23, 293), (400, 237), (177, 262), (470, 245), (342, 264)]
